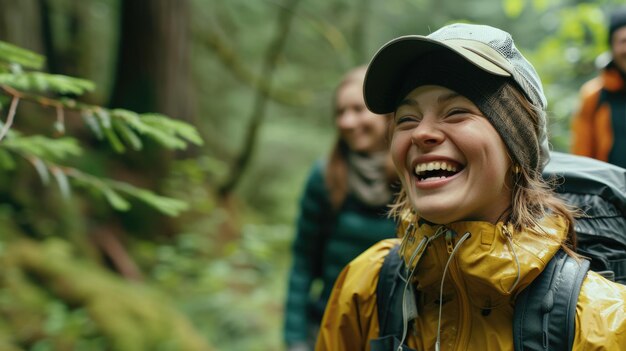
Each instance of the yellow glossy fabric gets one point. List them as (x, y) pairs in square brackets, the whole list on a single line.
[(478, 302)]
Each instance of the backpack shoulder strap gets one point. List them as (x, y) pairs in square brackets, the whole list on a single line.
[(545, 311), (389, 305), (388, 296)]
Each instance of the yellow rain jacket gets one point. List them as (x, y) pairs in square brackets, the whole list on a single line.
[(479, 292)]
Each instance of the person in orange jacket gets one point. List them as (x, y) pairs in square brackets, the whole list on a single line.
[(479, 224), (599, 125)]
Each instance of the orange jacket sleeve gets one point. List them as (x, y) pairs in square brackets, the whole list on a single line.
[(584, 141)]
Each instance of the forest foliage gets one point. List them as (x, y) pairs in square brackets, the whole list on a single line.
[(152, 152)]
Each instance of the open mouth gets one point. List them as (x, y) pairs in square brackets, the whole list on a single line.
[(436, 170)]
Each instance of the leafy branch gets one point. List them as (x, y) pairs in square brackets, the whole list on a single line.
[(120, 128), (39, 151)]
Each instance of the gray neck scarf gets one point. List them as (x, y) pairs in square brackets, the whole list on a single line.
[(367, 178)]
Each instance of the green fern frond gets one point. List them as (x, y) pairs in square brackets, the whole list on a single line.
[(42, 147), (12, 54), (176, 127), (166, 205), (111, 190), (45, 82), (127, 134), (121, 128), (92, 122)]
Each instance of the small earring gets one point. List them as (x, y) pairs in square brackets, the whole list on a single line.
[(517, 169)]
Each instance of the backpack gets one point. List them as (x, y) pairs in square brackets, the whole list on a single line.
[(545, 311), (598, 189)]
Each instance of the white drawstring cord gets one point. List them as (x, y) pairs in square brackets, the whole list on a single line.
[(411, 268), (445, 270)]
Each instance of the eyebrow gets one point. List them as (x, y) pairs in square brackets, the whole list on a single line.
[(441, 99)]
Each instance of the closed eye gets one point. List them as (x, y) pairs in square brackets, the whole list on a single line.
[(404, 120), (456, 111), (460, 114), (401, 120)]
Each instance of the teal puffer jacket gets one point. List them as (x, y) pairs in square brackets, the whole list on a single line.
[(325, 242)]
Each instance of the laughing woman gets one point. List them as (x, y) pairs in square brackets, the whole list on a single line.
[(479, 224)]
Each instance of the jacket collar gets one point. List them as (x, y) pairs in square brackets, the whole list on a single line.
[(486, 263), (612, 79)]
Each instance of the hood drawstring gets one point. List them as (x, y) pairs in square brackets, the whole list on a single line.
[(409, 308), (449, 234)]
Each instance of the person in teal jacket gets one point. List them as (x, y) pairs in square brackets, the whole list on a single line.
[(343, 210)]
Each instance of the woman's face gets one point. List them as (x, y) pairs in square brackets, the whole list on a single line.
[(362, 130), (451, 161)]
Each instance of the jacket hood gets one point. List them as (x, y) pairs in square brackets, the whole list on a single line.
[(492, 268)]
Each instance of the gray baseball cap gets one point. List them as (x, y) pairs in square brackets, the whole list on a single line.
[(490, 49)]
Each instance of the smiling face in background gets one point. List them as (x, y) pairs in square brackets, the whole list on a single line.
[(452, 162), (362, 130)]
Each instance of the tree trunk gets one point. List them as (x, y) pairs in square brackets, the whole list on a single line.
[(153, 76), (20, 24), (154, 68)]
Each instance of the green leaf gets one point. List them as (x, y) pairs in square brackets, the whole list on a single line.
[(114, 140), (13, 54), (104, 118), (168, 132), (174, 126), (92, 123), (169, 206), (127, 134), (45, 82), (61, 178), (41, 169), (6, 160), (43, 147), (513, 8), (115, 200), (111, 189), (166, 205), (126, 115)]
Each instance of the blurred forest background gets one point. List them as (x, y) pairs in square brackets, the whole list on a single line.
[(123, 229)]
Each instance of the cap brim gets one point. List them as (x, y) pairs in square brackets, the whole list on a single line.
[(384, 75)]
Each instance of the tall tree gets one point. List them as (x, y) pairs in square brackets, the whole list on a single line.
[(153, 72), (153, 75), (20, 24)]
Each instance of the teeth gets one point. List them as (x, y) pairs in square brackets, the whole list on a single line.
[(434, 166), (431, 178)]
